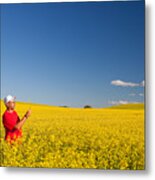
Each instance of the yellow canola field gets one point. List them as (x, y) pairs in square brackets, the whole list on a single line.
[(58, 137)]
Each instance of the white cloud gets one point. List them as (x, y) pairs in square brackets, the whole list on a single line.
[(122, 102), (132, 94), (142, 83), (141, 94), (119, 102), (126, 84)]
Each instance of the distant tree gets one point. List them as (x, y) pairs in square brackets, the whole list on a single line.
[(64, 106), (87, 106)]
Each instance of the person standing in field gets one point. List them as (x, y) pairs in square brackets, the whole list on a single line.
[(11, 121)]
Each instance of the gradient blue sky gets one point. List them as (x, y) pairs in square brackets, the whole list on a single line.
[(68, 53)]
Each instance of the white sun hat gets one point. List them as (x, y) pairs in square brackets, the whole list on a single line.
[(9, 98)]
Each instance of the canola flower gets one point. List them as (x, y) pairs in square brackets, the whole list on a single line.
[(57, 137)]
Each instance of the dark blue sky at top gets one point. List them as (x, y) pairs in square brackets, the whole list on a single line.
[(68, 53)]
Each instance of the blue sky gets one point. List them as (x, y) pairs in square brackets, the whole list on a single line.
[(73, 53)]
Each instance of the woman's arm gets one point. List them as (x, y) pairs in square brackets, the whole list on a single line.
[(22, 121)]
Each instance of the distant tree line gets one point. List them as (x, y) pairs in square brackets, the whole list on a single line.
[(64, 106), (86, 106)]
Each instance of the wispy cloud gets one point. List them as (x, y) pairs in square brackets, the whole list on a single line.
[(123, 102), (127, 84), (141, 94), (132, 94), (135, 94), (142, 83)]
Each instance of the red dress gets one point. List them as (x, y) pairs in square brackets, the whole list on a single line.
[(10, 119)]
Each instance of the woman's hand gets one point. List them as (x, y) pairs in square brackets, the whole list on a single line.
[(28, 113)]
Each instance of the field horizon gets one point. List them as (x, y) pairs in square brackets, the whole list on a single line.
[(137, 105)]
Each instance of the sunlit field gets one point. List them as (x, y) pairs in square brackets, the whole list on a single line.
[(58, 137)]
